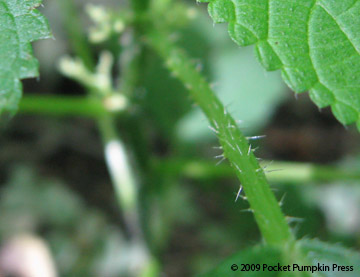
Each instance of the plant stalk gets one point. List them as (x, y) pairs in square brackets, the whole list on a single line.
[(121, 173), (54, 105), (116, 156), (236, 147)]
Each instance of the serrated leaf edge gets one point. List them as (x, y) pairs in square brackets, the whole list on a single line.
[(341, 110)]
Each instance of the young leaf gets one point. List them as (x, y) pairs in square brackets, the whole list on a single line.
[(20, 24), (315, 43)]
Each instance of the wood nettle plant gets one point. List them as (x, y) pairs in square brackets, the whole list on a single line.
[(315, 44)]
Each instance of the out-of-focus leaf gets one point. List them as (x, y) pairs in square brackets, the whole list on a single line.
[(165, 100), (165, 97), (253, 256)]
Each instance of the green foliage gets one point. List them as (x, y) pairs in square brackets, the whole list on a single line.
[(20, 24), (252, 256), (235, 145), (236, 83), (328, 254), (316, 44), (315, 251)]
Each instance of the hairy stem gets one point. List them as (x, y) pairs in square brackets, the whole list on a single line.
[(236, 147)]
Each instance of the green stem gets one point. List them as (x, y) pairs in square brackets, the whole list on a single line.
[(236, 147), (126, 189), (132, 57), (52, 105), (122, 175), (124, 184), (120, 171), (131, 63), (280, 172)]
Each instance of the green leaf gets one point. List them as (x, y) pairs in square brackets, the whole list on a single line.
[(315, 43), (20, 24), (236, 82), (328, 254), (339, 259), (252, 256)]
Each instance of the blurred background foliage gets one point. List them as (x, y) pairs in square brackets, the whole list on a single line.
[(54, 183)]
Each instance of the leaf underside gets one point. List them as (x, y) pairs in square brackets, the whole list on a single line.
[(315, 44), (20, 24)]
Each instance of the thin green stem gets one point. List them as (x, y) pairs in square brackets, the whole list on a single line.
[(131, 63), (52, 105), (126, 189), (117, 159), (236, 147), (279, 172), (126, 192), (121, 173), (133, 51)]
